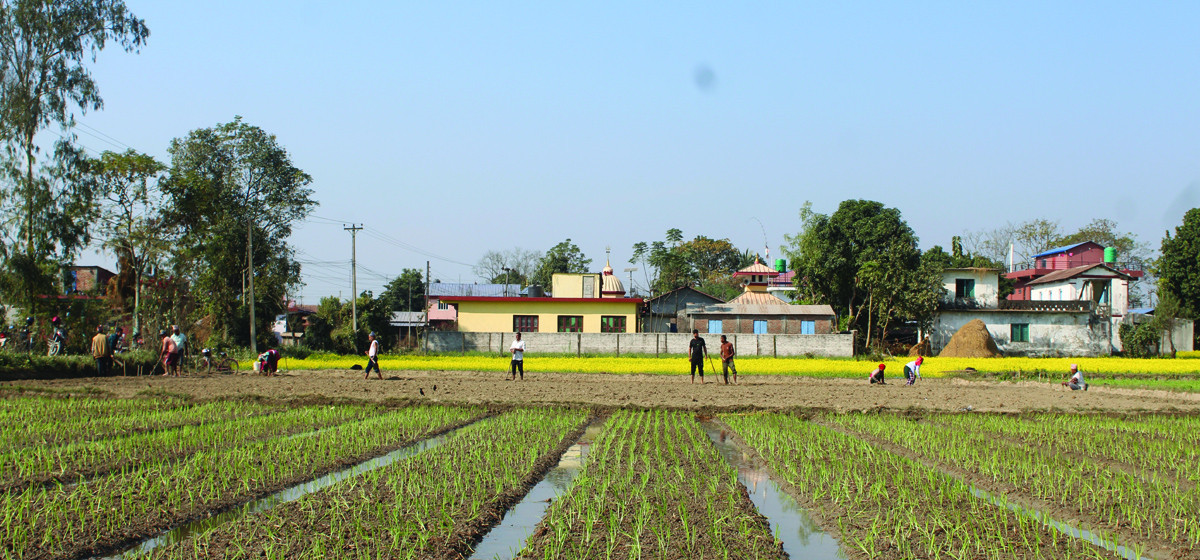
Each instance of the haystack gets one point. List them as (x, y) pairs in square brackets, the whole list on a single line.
[(922, 348), (971, 341)]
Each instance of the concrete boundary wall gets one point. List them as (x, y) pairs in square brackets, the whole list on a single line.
[(835, 345)]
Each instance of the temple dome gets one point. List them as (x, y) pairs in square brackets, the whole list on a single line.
[(610, 285)]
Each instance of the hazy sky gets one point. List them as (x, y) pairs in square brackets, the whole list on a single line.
[(452, 128)]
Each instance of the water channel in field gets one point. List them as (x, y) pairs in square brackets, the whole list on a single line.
[(790, 523), (507, 539)]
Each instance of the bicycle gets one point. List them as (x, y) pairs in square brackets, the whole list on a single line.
[(221, 363)]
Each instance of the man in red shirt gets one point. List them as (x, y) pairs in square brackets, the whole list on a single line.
[(727, 352)]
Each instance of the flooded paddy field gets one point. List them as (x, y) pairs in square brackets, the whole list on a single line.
[(169, 476)]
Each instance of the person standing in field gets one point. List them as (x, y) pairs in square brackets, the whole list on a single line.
[(1076, 381), (373, 357), (167, 353), (517, 349), (697, 352), (101, 352), (180, 340), (877, 375), (727, 352), (912, 370)]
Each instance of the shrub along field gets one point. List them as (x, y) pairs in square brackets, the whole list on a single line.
[(94, 476)]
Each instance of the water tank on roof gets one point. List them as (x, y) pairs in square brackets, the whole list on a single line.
[(780, 265), (536, 291), (1110, 254)]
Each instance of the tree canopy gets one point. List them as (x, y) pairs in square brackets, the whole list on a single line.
[(702, 262), (561, 258), (863, 261), (1179, 265), (225, 183)]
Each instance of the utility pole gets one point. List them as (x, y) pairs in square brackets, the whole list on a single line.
[(353, 229), (250, 268), (425, 338)]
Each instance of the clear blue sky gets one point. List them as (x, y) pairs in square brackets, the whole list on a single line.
[(459, 127)]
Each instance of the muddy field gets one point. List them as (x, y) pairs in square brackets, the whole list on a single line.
[(769, 392)]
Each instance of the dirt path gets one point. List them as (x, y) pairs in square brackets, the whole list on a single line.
[(650, 391)]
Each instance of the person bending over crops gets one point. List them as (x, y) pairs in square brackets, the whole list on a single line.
[(912, 370), (268, 362), (1076, 381), (167, 353), (373, 357), (877, 375), (697, 351), (727, 352), (517, 349)]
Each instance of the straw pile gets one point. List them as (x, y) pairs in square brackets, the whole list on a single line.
[(922, 348), (971, 341)]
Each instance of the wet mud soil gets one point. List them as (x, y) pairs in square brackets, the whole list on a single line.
[(646, 391)]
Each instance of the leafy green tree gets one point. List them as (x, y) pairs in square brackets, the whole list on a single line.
[(1106, 233), (863, 261), (562, 258), (43, 48), (702, 262), (405, 292), (1179, 265), (227, 185), (131, 224)]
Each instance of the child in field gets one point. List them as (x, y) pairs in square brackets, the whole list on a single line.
[(912, 370), (877, 375), (1076, 381)]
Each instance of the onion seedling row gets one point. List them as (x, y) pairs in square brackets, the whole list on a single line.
[(1167, 455), (33, 426), (887, 506), (431, 505), (1151, 510), (654, 486), (105, 513), (44, 464)]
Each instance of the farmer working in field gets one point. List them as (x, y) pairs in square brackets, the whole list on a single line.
[(167, 353), (727, 352), (373, 357), (268, 362), (697, 352), (517, 349), (877, 375), (1076, 381), (101, 352), (912, 370)]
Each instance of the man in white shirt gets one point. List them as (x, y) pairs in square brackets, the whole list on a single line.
[(373, 357), (518, 357), (1076, 382)]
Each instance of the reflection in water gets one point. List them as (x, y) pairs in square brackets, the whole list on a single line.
[(284, 496), (505, 540), (790, 523)]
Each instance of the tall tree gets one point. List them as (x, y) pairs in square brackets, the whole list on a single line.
[(564, 257), (227, 183), (861, 260), (131, 220), (1179, 265), (1105, 232), (520, 262), (405, 292), (43, 48)]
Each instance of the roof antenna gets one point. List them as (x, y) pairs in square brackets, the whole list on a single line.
[(766, 248)]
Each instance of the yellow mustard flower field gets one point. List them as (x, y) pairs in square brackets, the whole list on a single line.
[(814, 367)]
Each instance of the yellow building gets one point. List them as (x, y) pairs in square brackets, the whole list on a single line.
[(588, 303)]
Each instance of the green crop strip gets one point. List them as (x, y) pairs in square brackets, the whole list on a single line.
[(41, 422), (887, 506), (74, 460), (41, 522), (421, 507), (1151, 508), (1157, 446), (654, 486)]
